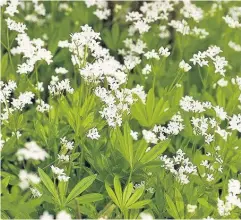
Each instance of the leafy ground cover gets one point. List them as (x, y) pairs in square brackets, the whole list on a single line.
[(120, 110)]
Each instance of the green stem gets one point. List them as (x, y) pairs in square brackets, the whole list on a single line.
[(9, 54)]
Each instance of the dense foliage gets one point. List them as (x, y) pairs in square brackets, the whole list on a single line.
[(120, 109)]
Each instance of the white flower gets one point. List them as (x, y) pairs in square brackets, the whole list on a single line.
[(222, 82), (63, 215), (234, 46), (46, 216), (152, 55), (184, 66), (16, 26), (67, 144), (102, 14), (146, 216), (64, 158), (26, 179), (35, 192), (31, 151), (149, 136), (220, 112), (146, 70), (32, 50), (93, 134), (42, 106), (164, 52), (23, 99), (11, 9), (57, 87), (61, 70), (57, 170), (63, 44), (191, 208), (63, 178), (141, 26), (235, 122), (134, 135)]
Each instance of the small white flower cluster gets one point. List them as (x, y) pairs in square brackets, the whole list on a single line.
[(27, 179), (185, 167), (63, 158), (233, 17), (93, 134), (149, 13), (234, 46), (134, 135), (2, 142), (213, 165), (35, 192), (32, 50), (117, 102), (188, 104), (104, 66), (69, 145), (142, 184), (23, 99), (102, 11), (184, 66), (146, 70), (232, 200), (146, 216), (134, 50), (190, 10), (183, 28), (211, 53), (62, 215), (164, 32), (235, 123), (173, 127), (64, 7), (202, 124), (61, 70), (60, 174), (6, 90), (16, 26), (38, 13), (39, 86), (12, 6), (191, 208), (31, 152), (42, 106), (58, 87)]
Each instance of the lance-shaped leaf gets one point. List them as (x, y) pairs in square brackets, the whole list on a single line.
[(48, 183), (156, 151), (80, 187)]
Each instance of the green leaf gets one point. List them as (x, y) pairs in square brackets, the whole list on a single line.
[(118, 190), (204, 203), (137, 194), (88, 198), (5, 181), (127, 192), (140, 151), (156, 151), (80, 187), (179, 203), (112, 195), (172, 208), (4, 63), (49, 184), (140, 204), (150, 103), (115, 33)]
